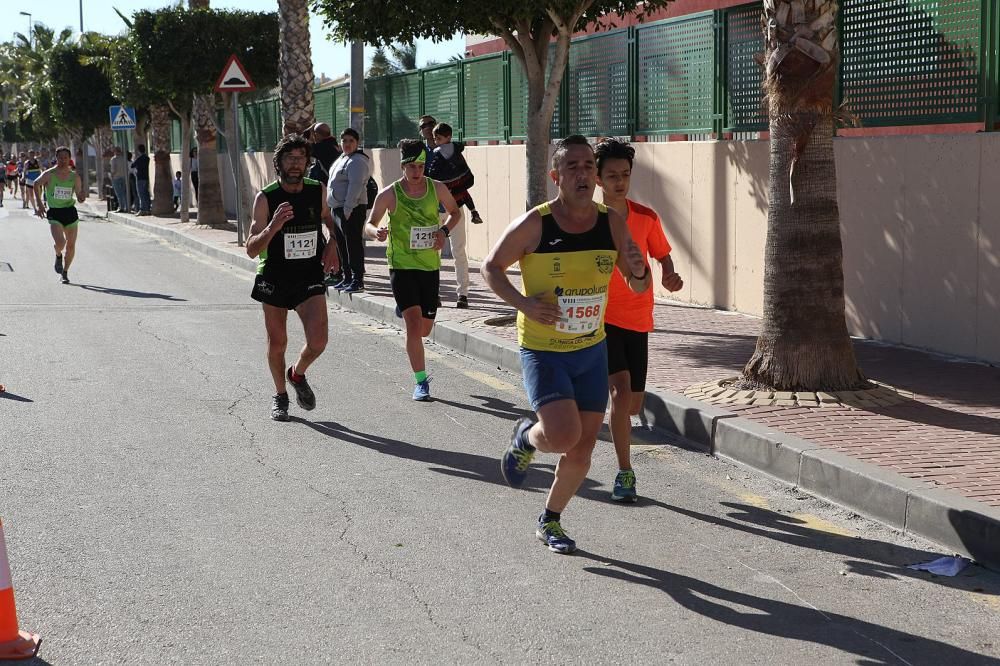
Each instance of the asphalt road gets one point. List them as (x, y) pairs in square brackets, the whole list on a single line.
[(154, 514)]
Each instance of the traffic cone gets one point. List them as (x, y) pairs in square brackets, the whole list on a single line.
[(14, 644)]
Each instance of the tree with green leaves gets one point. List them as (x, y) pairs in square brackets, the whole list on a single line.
[(179, 54), (528, 28), (81, 95)]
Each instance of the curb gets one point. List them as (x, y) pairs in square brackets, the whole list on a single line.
[(955, 522)]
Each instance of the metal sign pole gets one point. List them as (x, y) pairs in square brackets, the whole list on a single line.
[(128, 174), (235, 134)]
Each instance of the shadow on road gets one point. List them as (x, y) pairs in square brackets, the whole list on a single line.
[(491, 407), (7, 395), (128, 293), (866, 557), (452, 463), (786, 620)]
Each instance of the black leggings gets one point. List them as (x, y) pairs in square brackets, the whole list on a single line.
[(350, 242)]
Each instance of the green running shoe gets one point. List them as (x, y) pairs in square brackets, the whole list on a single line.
[(624, 487), (553, 536)]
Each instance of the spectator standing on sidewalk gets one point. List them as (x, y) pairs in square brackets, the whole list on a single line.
[(119, 179), (347, 196), (141, 166), (457, 242), (449, 167), (629, 315), (194, 171)]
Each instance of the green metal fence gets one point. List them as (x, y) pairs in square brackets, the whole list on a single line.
[(598, 86), (907, 62), (904, 62)]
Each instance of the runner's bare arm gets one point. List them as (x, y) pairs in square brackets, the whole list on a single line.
[(520, 238), (262, 230), (454, 214), (81, 196), (38, 187), (384, 202), (630, 262), (671, 280)]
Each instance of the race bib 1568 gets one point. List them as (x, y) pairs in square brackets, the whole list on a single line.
[(580, 314)]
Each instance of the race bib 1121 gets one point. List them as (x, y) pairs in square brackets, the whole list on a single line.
[(300, 246)]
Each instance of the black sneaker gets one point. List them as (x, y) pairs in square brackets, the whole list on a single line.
[(463, 303), (476, 219), (279, 407), (304, 396), (65, 277), (58, 265)]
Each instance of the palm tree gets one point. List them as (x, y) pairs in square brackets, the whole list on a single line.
[(405, 55), (28, 75), (211, 210), (380, 64), (295, 66), (163, 189), (803, 343)]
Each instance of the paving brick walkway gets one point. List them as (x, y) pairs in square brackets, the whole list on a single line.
[(948, 435)]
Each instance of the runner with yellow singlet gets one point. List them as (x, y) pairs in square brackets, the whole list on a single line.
[(568, 249), (63, 188), (415, 237)]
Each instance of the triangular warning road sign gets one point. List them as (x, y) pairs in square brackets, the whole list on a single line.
[(122, 120), (234, 77)]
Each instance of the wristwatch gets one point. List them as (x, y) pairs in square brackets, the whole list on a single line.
[(446, 230)]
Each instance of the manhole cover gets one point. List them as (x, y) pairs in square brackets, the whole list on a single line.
[(5, 267), (503, 320)]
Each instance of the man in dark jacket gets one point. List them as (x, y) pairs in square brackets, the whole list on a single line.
[(325, 151)]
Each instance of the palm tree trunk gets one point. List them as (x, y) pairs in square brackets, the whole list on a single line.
[(163, 189), (211, 210), (804, 344), (295, 66), (102, 148)]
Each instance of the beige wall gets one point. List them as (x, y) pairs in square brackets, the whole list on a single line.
[(919, 216)]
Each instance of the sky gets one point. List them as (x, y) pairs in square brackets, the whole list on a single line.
[(330, 58)]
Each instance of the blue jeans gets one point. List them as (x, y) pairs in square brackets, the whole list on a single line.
[(119, 186), (143, 187)]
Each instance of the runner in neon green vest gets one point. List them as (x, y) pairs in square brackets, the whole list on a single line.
[(415, 238), (61, 186)]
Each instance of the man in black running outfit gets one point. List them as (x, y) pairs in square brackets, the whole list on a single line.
[(293, 258)]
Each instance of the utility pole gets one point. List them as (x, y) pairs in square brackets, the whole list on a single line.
[(81, 17), (358, 88)]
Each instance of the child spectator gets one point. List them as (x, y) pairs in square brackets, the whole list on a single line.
[(449, 167), (178, 184)]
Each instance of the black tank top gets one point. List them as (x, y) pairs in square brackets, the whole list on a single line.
[(295, 253)]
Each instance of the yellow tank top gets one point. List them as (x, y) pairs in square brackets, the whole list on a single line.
[(574, 270)]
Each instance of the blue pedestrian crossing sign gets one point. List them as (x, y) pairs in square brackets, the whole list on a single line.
[(122, 117)]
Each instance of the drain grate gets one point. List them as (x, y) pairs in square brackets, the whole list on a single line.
[(5, 267)]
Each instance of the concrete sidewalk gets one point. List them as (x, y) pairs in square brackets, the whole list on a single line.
[(929, 466)]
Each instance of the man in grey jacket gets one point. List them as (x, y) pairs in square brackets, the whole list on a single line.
[(347, 196)]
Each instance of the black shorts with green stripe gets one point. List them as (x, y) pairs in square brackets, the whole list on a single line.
[(67, 217)]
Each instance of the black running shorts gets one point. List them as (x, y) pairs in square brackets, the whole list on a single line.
[(288, 295), (412, 287), (628, 350), (64, 216)]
